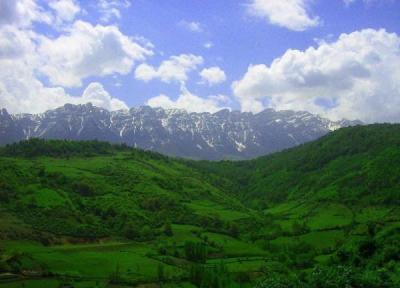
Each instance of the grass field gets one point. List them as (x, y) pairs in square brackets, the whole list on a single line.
[(95, 262), (89, 214), (205, 208)]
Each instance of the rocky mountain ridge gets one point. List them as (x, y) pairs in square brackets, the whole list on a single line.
[(222, 135)]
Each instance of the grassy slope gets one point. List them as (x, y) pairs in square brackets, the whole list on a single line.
[(324, 194), (98, 202), (345, 165)]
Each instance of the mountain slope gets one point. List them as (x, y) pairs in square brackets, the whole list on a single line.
[(222, 135), (324, 214), (61, 186), (354, 164), (9, 130)]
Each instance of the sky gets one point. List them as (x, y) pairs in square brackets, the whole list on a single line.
[(336, 58)]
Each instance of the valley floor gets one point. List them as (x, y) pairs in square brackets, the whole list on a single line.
[(122, 263)]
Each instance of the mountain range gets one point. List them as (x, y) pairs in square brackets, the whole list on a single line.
[(212, 136)]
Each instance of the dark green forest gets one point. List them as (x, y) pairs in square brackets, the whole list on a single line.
[(92, 214)]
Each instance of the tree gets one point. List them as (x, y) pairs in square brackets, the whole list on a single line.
[(3, 265), (116, 275), (146, 233), (367, 248), (335, 277), (195, 251), (234, 230), (299, 228), (131, 231), (215, 276), (160, 272), (5, 191), (242, 278), (84, 188), (168, 229)]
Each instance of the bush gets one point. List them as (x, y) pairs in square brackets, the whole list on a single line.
[(195, 251), (84, 188), (131, 231), (168, 229)]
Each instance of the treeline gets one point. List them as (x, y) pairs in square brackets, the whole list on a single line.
[(36, 147), (59, 148), (353, 163), (216, 276)]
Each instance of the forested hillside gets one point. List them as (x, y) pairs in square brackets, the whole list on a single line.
[(91, 214), (357, 165)]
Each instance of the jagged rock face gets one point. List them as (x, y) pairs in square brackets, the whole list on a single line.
[(9, 129), (222, 135)]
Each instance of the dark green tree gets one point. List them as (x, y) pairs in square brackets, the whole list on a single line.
[(168, 229)]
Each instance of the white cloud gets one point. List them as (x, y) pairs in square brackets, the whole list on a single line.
[(356, 77), (221, 99), (213, 75), (28, 94), (110, 9), (191, 26), (189, 102), (98, 96), (15, 43), (65, 10), (21, 88), (291, 14), (22, 13), (176, 68), (88, 51)]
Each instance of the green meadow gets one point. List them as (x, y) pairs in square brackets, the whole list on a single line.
[(91, 214)]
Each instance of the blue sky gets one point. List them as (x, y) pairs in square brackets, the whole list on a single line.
[(238, 40), (315, 68)]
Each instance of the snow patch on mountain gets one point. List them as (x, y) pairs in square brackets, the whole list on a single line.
[(221, 135)]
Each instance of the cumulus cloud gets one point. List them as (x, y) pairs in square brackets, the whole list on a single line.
[(30, 95), (15, 43), (23, 57), (22, 13), (21, 91), (191, 26), (110, 9), (291, 14), (190, 102), (176, 68), (98, 96), (20, 88), (65, 10), (356, 77), (88, 50), (213, 75)]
